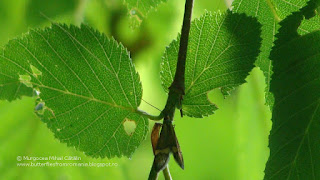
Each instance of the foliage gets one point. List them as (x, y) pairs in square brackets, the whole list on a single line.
[(91, 72), (88, 90), (268, 14), (222, 50), (294, 139), (98, 74)]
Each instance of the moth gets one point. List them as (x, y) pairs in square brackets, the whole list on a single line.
[(164, 145)]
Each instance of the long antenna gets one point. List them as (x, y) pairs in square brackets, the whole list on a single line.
[(151, 105)]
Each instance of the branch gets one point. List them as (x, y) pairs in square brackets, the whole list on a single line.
[(166, 173), (177, 88), (167, 143), (179, 78)]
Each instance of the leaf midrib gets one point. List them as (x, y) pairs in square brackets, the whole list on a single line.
[(66, 91), (273, 10), (86, 97)]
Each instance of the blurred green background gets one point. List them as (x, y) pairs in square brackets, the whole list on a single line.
[(232, 144)]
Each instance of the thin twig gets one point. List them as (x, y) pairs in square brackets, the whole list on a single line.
[(166, 173)]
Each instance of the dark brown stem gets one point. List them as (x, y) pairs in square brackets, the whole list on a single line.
[(177, 88), (179, 78), (167, 143)]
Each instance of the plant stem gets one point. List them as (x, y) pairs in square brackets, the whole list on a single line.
[(166, 173), (168, 142), (177, 88), (179, 78)]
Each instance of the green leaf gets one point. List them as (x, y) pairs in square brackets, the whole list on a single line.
[(12, 88), (309, 25), (87, 84), (268, 14), (138, 9), (222, 49), (285, 8), (294, 139)]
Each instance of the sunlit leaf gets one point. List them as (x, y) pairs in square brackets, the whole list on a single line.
[(87, 83), (222, 50)]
